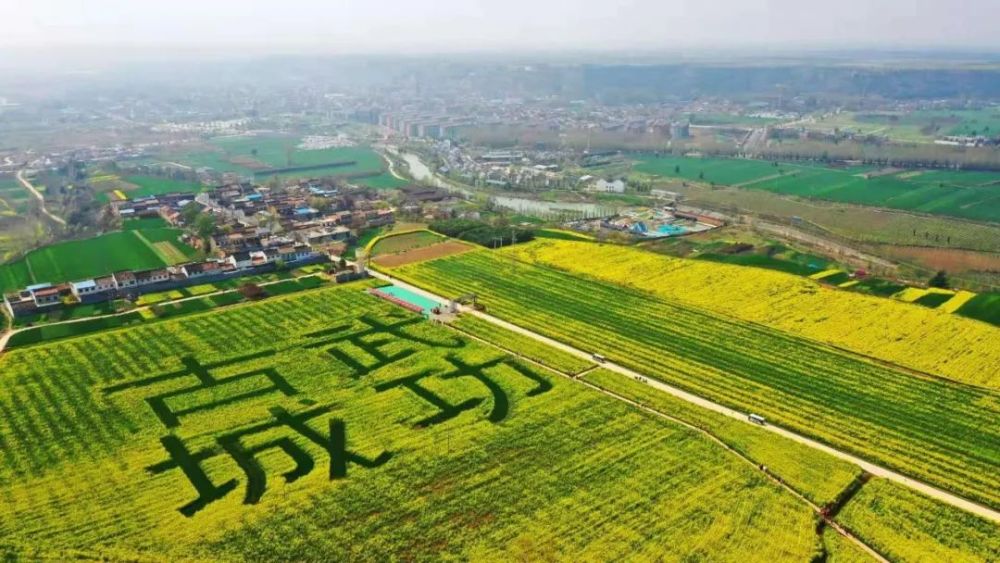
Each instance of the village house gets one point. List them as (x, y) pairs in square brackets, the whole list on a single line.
[(150, 206), (34, 299), (125, 280), (335, 250), (46, 297), (149, 277), (271, 254), (241, 260), (323, 235), (88, 291), (170, 215), (420, 194), (609, 186), (201, 269), (380, 218), (296, 253)]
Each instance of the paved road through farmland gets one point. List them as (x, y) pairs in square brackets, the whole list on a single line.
[(38, 195), (872, 468), (708, 434)]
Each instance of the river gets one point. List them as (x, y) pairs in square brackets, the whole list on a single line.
[(558, 208), (422, 173)]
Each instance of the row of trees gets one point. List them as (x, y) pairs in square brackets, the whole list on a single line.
[(160, 170), (906, 156), (491, 235), (922, 155)]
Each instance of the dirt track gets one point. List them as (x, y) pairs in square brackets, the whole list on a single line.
[(38, 195), (823, 243)]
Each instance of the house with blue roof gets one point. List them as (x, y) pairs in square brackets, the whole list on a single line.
[(88, 291), (306, 213)]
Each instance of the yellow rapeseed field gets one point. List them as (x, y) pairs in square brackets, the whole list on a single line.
[(910, 294), (825, 274), (956, 302), (919, 338)]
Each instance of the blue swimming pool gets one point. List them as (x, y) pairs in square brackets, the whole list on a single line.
[(408, 296), (670, 230)]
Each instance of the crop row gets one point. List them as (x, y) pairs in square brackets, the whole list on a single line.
[(899, 522), (907, 526), (915, 337), (522, 345), (817, 475), (938, 431), (959, 194), (605, 483), (565, 473)]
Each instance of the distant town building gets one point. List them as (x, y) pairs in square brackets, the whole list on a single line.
[(609, 186), (680, 130)]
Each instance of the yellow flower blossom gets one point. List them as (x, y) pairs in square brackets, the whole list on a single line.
[(919, 338)]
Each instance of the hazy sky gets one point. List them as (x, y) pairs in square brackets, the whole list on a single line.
[(359, 26)]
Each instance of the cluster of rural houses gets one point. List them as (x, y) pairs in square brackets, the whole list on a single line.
[(129, 284), (292, 208), (167, 206), (257, 230)]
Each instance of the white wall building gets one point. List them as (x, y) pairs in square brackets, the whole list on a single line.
[(614, 186)]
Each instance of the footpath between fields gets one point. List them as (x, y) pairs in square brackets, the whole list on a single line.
[(38, 195), (825, 516), (868, 467)]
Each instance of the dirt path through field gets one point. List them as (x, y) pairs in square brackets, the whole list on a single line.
[(828, 520), (823, 243), (151, 247), (38, 195), (876, 470), (764, 179), (392, 167)]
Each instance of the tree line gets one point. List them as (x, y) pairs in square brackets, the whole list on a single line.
[(483, 233)]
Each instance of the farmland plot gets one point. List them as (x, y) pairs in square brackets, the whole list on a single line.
[(898, 522), (525, 346), (401, 242), (134, 249), (942, 432), (855, 223), (968, 195), (922, 339), (259, 154), (907, 526), (154, 186), (816, 475), (345, 428)]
